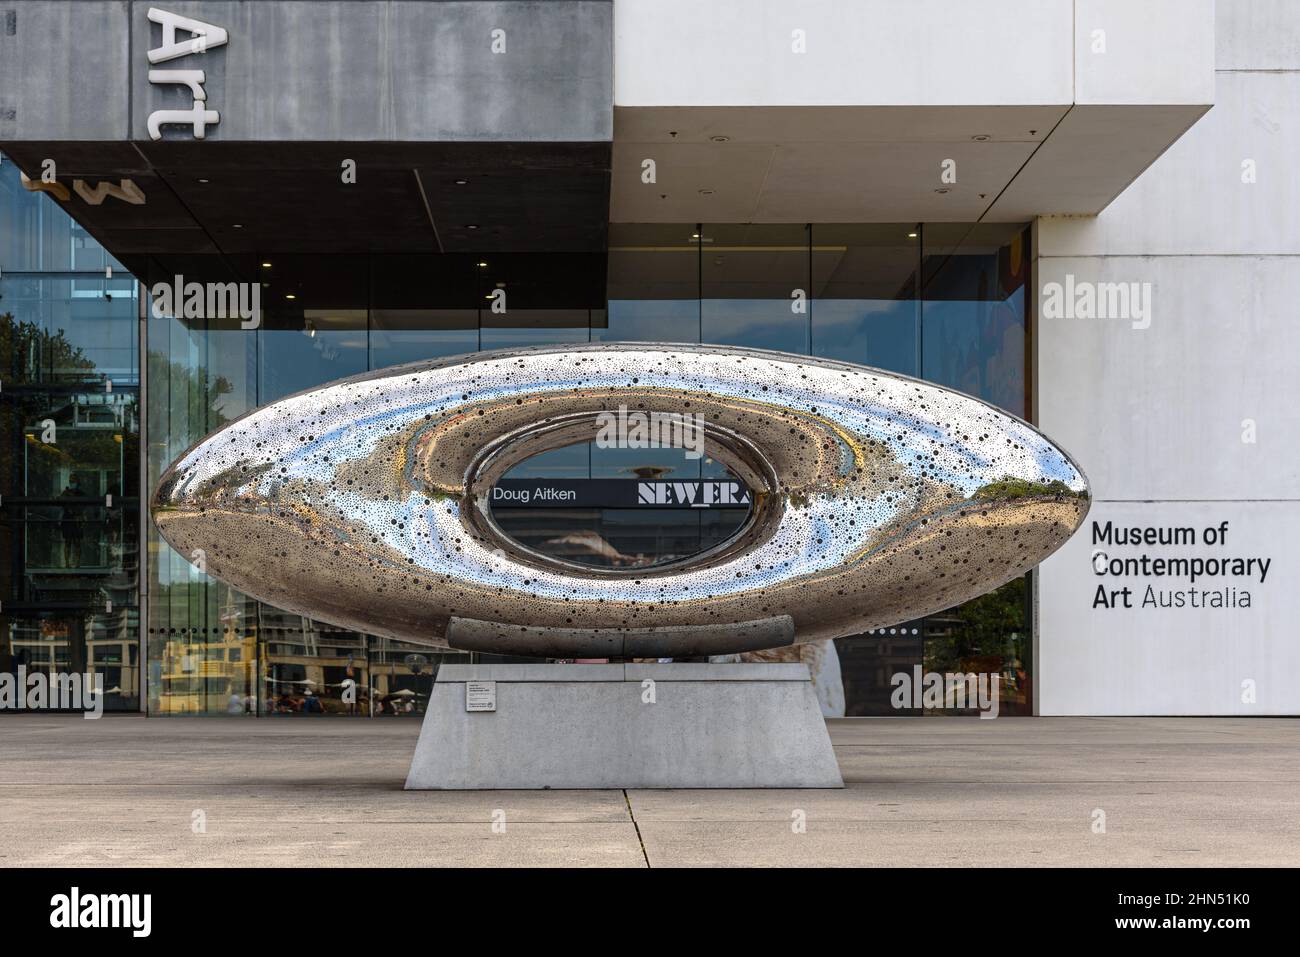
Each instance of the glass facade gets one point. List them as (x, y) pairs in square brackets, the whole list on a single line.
[(70, 448), (943, 302)]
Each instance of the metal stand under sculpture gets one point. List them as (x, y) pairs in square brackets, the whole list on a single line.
[(623, 726), (365, 503)]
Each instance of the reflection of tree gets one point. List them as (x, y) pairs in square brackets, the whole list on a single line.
[(36, 355), (198, 392), (30, 350), (1012, 488), (982, 626), (39, 359), (184, 404)]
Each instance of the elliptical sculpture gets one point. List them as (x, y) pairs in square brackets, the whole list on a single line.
[(877, 498)]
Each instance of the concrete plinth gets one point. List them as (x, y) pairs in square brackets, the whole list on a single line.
[(625, 726)]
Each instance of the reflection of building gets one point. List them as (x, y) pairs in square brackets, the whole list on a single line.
[(806, 215), (195, 675), (69, 429)]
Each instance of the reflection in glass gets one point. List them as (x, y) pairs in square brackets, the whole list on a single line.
[(653, 284), (974, 310), (610, 536), (754, 283), (409, 335), (989, 636), (865, 307), (69, 450)]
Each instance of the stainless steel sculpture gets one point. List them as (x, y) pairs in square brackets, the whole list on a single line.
[(877, 498)]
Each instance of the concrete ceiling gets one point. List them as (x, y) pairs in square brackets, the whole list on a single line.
[(881, 163)]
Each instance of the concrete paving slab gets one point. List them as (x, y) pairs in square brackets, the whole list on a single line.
[(319, 791)]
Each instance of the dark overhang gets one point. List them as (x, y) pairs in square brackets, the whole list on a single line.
[(370, 126)]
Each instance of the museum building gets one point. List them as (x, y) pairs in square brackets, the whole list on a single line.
[(1027, 202)]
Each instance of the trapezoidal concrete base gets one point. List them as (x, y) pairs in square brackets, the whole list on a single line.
[(623, 726)]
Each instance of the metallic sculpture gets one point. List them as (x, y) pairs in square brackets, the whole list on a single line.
[(877, 498)]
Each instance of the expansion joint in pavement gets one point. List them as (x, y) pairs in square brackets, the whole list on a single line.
[(632, 816)]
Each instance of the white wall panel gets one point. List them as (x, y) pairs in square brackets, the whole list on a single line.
[(1153, 660), (859, 52)]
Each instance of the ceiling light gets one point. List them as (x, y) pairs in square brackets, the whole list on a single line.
[(482, 265), (203, 181), (981, 137), (238, 225), (290, 296), (266, 265), (719, 139), (706, 192), (471, 225), (942, 189), (461, 182), (911, 235)]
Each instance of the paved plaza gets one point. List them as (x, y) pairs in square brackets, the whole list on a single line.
[(320, 791)]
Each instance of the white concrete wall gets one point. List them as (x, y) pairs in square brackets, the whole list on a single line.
[(1161, 417), (915, 53), (859, 52)]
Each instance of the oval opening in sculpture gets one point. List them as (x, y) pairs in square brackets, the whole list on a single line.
[(640, 509)]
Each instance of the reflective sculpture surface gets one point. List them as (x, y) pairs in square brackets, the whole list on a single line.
[(877, 498)]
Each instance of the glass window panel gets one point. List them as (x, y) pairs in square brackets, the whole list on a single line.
[(617, 537), (537, 300), (36, 235), (653, 284), (974, 311), (423, 307), (864, 306), (401, 676), (202, 634), (569, 462), (69, 451), (518, 328), (988, 636), (749, 279), (325, 344), (408, 335)]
